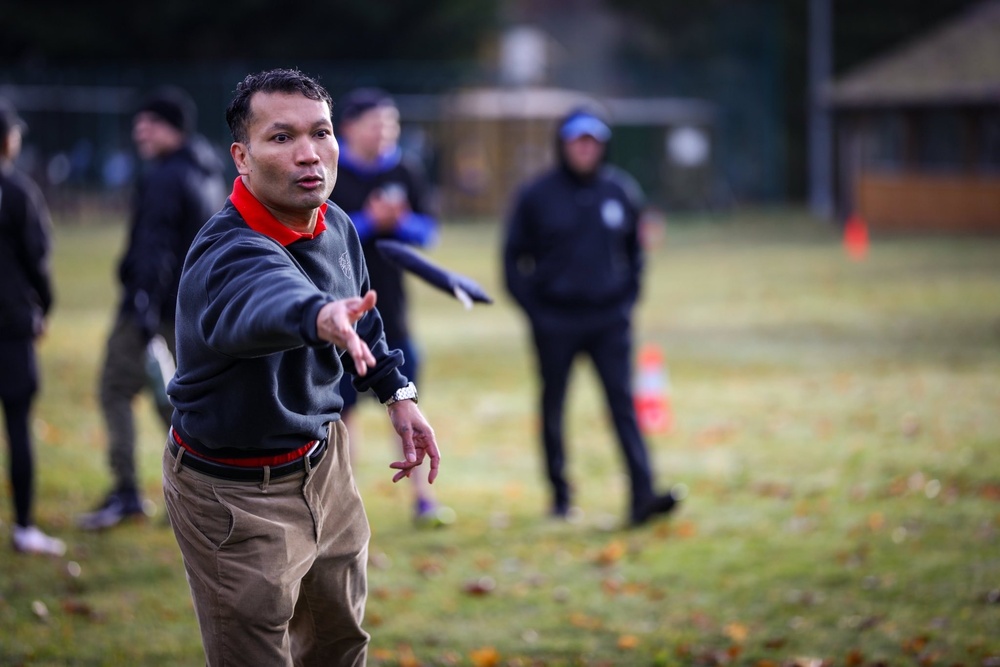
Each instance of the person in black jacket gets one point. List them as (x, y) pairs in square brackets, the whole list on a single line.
[(181, 188), (25, 301), (573, 262)]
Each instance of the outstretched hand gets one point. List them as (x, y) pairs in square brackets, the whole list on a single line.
[(417, 439), (335, 323)]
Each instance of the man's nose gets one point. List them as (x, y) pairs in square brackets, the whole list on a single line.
[(307, 153)]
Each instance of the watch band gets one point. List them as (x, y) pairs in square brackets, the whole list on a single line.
[(406, 393)]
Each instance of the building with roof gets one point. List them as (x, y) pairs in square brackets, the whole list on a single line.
[(918, 131)]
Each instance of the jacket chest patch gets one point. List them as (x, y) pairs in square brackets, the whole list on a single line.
[(613, 214)]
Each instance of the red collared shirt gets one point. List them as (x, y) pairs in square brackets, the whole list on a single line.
[(259, 219)]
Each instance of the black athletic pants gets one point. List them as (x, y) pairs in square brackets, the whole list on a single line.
[(610, 349)]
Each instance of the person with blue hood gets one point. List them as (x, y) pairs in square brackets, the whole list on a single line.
[(573, 262), (180, 188)]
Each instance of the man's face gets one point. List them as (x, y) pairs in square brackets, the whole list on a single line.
[(373, 132), (154, 137), (290, 159), (584, 154)]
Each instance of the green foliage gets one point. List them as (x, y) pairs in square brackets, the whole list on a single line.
[(185, 30), (836, 425)]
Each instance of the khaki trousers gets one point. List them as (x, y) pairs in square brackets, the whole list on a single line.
[(276, 570)]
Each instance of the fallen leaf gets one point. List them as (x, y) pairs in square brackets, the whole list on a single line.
[(485, 657), (686, 529), (612, 553), (481, 586), (807, 662), (77, 608), (915, 645), (628, 642), (775, 643), (736, 631), (855, 658), (581, 620)]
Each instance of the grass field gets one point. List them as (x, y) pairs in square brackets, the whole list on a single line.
[(837, 424)]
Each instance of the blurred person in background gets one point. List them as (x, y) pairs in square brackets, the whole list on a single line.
[(573, 262), (25, 300), (179, 189), (384, 192)]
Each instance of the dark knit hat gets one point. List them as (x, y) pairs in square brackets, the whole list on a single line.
[(361, 100), (173, 106), (9, 118)]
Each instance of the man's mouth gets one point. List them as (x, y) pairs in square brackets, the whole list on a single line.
[(310, 181)]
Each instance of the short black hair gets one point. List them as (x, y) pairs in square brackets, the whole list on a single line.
[(269, 81)]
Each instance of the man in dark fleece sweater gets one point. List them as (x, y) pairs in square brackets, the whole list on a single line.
[(180, 189), (572, 261), (274, 306)]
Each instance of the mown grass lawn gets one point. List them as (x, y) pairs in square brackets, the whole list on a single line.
[(837, 425)]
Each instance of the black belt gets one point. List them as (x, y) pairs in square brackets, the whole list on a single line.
[(249, 474)]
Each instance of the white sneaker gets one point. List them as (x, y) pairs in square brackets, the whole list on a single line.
[(30, 540)]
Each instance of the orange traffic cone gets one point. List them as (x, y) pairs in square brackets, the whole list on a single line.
[(652, 392), (856, 237)]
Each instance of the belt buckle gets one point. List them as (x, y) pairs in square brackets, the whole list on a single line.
[(315, 448)]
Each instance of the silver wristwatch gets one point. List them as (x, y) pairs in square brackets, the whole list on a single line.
[(407, 393)]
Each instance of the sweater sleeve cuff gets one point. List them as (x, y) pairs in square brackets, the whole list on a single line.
[(388, 385)]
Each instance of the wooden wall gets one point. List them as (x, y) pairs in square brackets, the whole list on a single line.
[(929, 202)]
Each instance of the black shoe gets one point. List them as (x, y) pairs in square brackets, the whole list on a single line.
[(118, 506), (656, 506)]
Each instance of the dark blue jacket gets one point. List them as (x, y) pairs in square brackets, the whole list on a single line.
[(25, 242), (172, 200), (571, 253), (253, 377)]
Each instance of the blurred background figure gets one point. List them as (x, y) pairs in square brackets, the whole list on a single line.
[(179, 190), (385, 193), (25, 300), (573, 261)]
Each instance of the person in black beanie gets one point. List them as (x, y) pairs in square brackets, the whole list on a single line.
[(181, 188), (25, 300), (573, 262)]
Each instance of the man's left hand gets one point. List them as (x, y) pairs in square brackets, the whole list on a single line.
[(417, 438)]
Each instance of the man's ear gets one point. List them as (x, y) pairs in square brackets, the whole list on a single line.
[(239, 151)]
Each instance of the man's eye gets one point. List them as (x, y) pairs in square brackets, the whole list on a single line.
[(281, 138), (323, 134)]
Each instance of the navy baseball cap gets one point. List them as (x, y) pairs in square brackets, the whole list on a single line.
[(584, 124)]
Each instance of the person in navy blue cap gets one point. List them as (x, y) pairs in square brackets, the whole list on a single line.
[(573, 262), (25, 300)]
